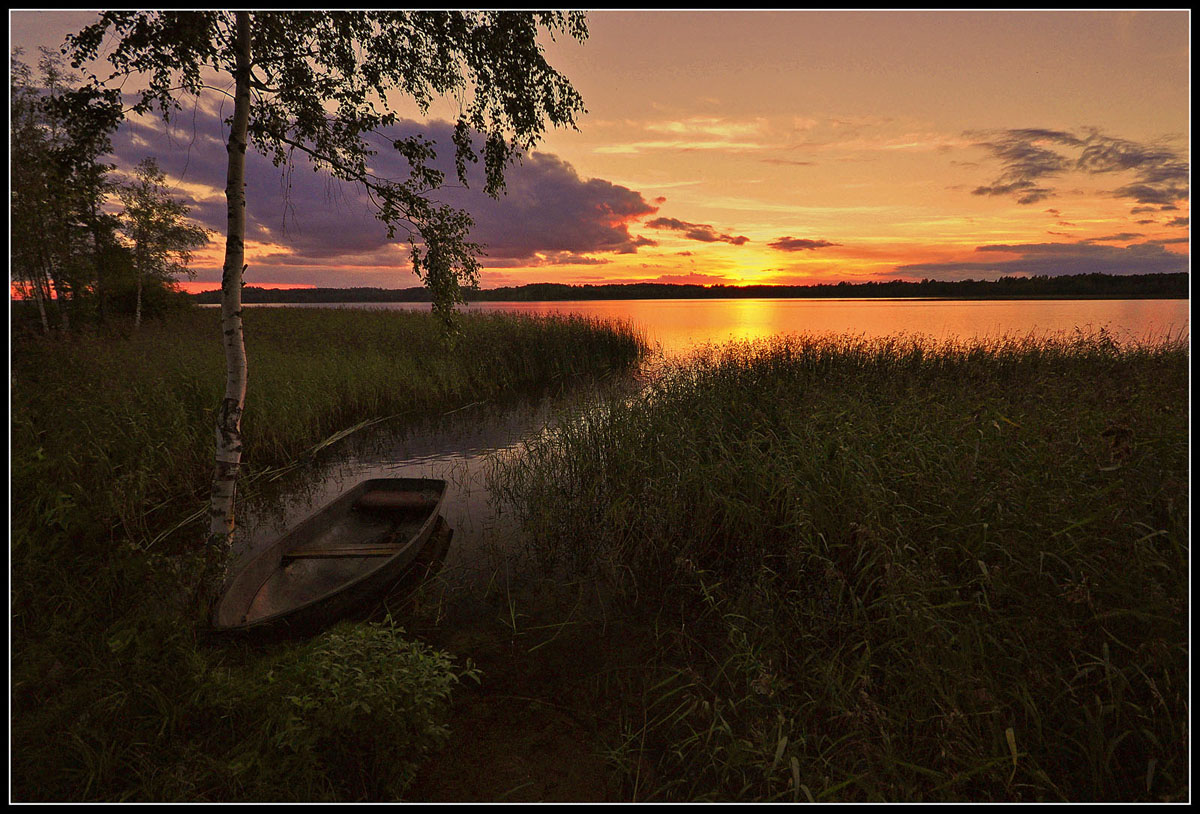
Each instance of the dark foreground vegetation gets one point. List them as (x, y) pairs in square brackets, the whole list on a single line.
[(117, 693), (888, 570), (1076, 286)]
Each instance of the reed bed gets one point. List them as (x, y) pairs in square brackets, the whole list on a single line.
[(116, 694), (897, 569)]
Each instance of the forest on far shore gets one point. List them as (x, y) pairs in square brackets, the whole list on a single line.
[(1076, 286)]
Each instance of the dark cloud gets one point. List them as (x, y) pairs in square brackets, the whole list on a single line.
[(548, 216), (1150, 194), (696, 231), (549, 259), (1026, 163), (799, 244), (1121, 237), (549, 208), (1057, 259), (1032, 157), (1026, 192), (1180, 222)]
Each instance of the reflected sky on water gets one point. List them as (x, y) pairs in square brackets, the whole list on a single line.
[(677, 325)]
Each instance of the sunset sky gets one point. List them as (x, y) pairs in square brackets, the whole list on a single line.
[(773, 147)]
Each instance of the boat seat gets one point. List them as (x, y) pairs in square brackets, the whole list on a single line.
[(383, 545), (389, 502)]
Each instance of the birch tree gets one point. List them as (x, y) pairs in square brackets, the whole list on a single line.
[(318, 84), (58, 132), (156, 225)]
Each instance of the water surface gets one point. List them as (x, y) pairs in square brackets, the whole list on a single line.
[(454, 447), (677, 325)]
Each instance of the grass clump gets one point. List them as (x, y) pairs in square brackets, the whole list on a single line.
[(348, 716), (115, 695), (890, 569)]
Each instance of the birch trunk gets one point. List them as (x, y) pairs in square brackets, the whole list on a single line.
[(137, 309), (229, 416), (60, 301), (98, 255), (41, 304)]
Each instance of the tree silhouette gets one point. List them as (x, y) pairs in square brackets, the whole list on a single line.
[(318, 83), (58, 132), (161, 239)]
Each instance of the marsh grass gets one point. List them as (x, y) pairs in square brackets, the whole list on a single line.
[(889, 569), (116, 693)]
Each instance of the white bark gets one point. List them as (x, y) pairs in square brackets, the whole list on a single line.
[(229, 416), (39, 294)]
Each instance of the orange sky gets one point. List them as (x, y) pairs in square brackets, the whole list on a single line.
[(803, 147)]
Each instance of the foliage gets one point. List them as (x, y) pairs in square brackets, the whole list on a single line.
[(320, 84), (890, 569), (161, 239), (58, 133), (348, 716), (66, 255)]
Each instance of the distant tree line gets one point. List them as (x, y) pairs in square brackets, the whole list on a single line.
[(255, 294), (1076, 286), (85, 247)]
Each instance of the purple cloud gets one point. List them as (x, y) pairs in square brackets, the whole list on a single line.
[(1120, 237), (799, 244), (1031, 157), (549, 215), (696, 231), (1058, 259)]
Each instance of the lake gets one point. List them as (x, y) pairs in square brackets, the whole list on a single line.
[(458, 447), (676, 325)]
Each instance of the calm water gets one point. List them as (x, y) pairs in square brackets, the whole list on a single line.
[(677, 325), (455, 447)]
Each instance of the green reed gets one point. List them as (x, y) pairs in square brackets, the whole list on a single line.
[(116, 692), (892, 569)]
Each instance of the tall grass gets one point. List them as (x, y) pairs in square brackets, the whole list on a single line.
[(116, 693), (105, 430), (890, 569)]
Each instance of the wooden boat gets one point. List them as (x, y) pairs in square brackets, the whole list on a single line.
[(349, 553)]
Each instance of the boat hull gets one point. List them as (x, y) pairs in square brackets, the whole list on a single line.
[(346, 556)]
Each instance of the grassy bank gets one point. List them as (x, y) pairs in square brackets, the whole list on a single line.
[(889, 570), (115, 694)]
